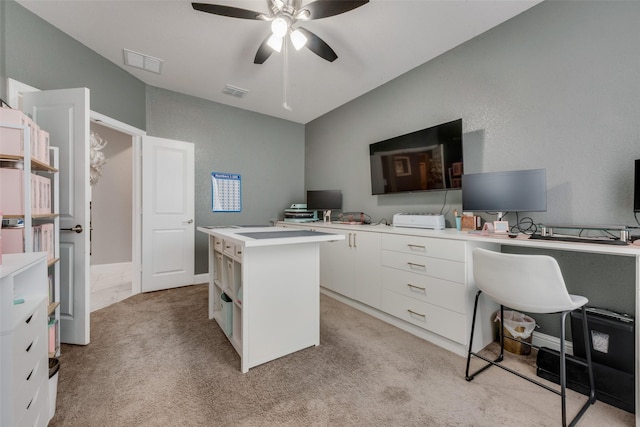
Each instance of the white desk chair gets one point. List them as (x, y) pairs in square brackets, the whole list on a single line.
[(534, 284)]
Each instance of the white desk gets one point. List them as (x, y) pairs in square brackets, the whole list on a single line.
[(271, 276)]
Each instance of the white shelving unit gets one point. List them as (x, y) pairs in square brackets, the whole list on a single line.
[(30, 330)]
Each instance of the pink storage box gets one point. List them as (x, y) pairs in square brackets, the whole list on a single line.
[(11, 139), (43, 146), (11, 191), (12, 240)]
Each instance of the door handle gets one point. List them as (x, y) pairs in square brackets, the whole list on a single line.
[(77, 229), (188, 222)]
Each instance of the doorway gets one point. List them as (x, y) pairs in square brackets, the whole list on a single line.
[(111, 213)]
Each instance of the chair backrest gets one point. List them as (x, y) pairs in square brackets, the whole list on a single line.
[(531, 283)]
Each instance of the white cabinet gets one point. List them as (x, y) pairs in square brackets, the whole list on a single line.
[(24, 390), (424, 283), (406, 277), (271, 279), (350, 267)]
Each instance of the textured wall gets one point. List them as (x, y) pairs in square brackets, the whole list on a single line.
[(40, 55), (267, 152), (556, 87)]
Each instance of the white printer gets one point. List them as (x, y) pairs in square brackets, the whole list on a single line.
[(419, 220)]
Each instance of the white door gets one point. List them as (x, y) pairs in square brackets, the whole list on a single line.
[(167, 213), (65, 115)]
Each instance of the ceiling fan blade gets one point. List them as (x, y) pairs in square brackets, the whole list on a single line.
[(318, 46), (232, 12), (264, 52), (325, 8)]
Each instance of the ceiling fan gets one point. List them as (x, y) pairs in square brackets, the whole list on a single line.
[(284, 15)]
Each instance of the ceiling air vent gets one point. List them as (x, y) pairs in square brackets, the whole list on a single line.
[(238, 92), (142, 61)]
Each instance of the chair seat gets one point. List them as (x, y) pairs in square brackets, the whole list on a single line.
[(576, 302)]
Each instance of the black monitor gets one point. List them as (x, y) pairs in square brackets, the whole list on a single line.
[(322, 200), (502, 192), (636, 188)]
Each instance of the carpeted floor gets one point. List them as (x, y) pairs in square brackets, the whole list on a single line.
[(157, 360)]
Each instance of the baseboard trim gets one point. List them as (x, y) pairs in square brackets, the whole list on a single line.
[(200, 278)]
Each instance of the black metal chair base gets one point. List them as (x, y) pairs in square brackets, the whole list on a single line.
[(563, 380)]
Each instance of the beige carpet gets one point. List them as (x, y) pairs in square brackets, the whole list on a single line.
[(157, 360)]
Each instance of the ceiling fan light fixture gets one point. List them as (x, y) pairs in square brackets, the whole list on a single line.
[(279, 27), (275, 43), (298, 39)]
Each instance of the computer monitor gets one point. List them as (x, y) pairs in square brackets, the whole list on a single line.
[(324, 200), (506, 191)]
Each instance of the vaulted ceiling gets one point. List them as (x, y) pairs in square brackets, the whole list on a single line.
[(201, 53)]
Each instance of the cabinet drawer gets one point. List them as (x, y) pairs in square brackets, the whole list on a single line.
[(35, 410), (443, 322), (28, 328), (438, 248), (228, 247), (28, 375), (217, 244), (443, 293), (440, 268)]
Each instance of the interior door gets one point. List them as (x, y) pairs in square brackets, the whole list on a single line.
[(65, 115), (167, 213)]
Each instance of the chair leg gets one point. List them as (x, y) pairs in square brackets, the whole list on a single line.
[(563, 371), (490, 363)]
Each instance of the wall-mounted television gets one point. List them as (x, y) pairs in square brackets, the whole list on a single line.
[(505, 191), (424, 160)]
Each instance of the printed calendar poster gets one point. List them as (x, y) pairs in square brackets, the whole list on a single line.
[(226, 194)]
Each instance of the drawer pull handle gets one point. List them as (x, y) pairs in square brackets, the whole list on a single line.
[(29, 319), (416, 287), (413, 264), (28, 349), (416, 246), (30, 402), (413, 313), (29, 376)]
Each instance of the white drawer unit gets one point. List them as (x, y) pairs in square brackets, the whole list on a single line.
[(24, 361)]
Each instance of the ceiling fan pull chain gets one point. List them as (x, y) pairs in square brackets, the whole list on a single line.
[(285, 76)]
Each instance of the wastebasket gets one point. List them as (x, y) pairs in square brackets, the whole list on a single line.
[(54, 367), (516, 325), (227, 314)]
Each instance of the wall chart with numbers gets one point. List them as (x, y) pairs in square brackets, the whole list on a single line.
[(226, 192)]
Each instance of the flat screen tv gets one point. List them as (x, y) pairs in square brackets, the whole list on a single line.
[(507, 191), (636, 188), (425, 160)]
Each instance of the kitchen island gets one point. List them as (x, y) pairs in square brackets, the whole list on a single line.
[(264, 289)]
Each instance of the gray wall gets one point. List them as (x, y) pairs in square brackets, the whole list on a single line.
[(111, 200), (40, 55), (556, 87), (267, 152)]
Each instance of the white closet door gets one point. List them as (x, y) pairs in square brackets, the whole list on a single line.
[(167, 213)]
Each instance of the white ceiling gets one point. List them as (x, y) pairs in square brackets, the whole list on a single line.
[(203, 52)]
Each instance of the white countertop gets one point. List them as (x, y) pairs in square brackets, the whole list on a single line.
[(503, 239), (281, 238)]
